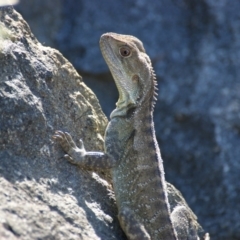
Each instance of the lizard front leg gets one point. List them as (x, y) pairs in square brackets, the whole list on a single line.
[(79, 156)]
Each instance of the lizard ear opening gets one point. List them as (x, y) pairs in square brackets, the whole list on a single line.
[(135, 78)]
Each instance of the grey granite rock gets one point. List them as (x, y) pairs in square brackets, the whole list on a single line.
[(42, 196)]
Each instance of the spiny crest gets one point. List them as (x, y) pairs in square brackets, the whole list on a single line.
[(155, 88)]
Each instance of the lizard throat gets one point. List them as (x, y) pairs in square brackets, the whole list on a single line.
[(122, 111), (125, 101)]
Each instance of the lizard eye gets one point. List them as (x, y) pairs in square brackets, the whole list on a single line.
[(124, 51)]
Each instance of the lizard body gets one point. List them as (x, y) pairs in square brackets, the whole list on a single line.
[(131, 148)]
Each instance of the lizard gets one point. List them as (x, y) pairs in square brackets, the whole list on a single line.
[(131, 149)]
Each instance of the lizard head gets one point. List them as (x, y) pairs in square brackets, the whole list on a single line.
[(131, 69)]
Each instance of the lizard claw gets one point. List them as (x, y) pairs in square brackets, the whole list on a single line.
[(65, 141), (69, 158), (81, 144)]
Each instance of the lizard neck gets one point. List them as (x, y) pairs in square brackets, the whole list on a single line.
[(143, 115)]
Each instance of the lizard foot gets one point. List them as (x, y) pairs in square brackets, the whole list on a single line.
[(74, 154)]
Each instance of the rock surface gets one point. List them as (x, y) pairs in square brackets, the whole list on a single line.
[(42, 196), (195, 47)]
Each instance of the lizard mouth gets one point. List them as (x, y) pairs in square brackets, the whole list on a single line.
[(125, 101)]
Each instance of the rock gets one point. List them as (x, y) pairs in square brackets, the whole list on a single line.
[(194, 46), (43, 196)]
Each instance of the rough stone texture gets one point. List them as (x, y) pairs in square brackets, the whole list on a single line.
[(195, 47), (43, 196)]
